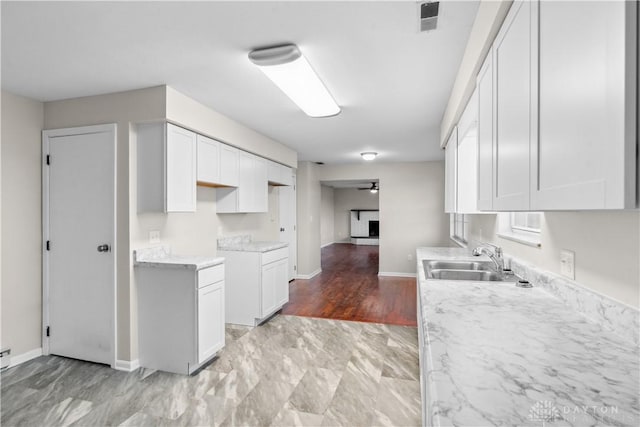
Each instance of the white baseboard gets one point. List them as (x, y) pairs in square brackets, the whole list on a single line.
[(127, 366), (326, 244), (25, 357), (393, 274), (309, 276)]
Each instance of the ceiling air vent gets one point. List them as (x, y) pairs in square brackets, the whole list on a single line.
[(429, 15)]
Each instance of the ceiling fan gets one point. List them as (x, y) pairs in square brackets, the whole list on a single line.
[(374, 187)]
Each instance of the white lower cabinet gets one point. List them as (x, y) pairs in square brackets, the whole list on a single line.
[(210, 317), (181, 317), (257, 284)]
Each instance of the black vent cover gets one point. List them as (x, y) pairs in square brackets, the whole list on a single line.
[(429, 15)]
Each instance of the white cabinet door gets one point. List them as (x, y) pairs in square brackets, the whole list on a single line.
[(512, 64), (450, 163), (278, 174), (166, 161), (260, 186), (208, 160), (585, 156), (210, 320), (467, 159), (246, 183), (282, 282), (180, 170), (229, 166), (268, 302), (484, 85), (252, 192)]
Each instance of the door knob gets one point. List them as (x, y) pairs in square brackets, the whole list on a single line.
[(104, 248)]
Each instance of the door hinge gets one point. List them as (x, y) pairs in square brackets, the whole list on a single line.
[(48, 331), (295, 268), (48, 245), (48, 159), (294, 228)]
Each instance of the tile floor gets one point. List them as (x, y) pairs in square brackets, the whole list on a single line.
[(289, 371)]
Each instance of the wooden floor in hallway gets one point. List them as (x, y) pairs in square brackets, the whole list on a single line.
[(349, 288)]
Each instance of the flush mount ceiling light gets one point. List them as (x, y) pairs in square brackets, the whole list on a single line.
[(369, 155), (287, 67)]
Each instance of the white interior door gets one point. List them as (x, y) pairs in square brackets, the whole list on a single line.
[(288, 233), (79, 233)]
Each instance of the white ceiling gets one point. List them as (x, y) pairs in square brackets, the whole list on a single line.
[(391, 81)]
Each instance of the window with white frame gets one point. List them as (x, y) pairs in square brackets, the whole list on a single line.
[(459, 226), (523, 227)]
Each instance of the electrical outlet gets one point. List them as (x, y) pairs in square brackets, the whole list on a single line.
[(567, 264), (154, 237)]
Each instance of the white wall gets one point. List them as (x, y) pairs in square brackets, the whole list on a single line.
[(187, 233), (22, 121), (488, 20), (345, 200), (189, 113), (411, 202), (606, 246), (326, 215)]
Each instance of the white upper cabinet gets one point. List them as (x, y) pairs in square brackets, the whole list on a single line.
[(278, 174), (252, 192), (560, 112), (217, 163), (450, 167), (484, 92), (467, 159), (166, 160), (512, 80), (586, 136), (229, 167), (208, 160)]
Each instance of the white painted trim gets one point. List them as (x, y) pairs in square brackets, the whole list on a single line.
[(83, 130), (326, 244), (127, 366), (395, 274), (309, 276), (25, 357)]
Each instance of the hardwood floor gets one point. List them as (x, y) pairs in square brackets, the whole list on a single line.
[(349, 289)]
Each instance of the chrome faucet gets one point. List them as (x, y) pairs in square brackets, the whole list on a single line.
[(495, 255)]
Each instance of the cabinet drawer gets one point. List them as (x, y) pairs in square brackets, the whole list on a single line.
[(210, 275), (271, 256)]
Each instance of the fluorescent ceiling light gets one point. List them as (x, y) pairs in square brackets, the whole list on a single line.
[(287, 67), (369, 155)]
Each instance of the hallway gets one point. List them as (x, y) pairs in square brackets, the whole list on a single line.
[(349, 288)]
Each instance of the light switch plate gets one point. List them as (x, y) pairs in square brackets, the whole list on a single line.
[(154, 237), (567, 264)]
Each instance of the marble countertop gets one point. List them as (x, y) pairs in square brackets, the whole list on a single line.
[(497, 354), (244, 243), (161, 257)]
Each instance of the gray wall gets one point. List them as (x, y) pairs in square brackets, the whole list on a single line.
[(411, 202), (345, 200), (21, 273), (606, 244), (308, 213), (327, 208)]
